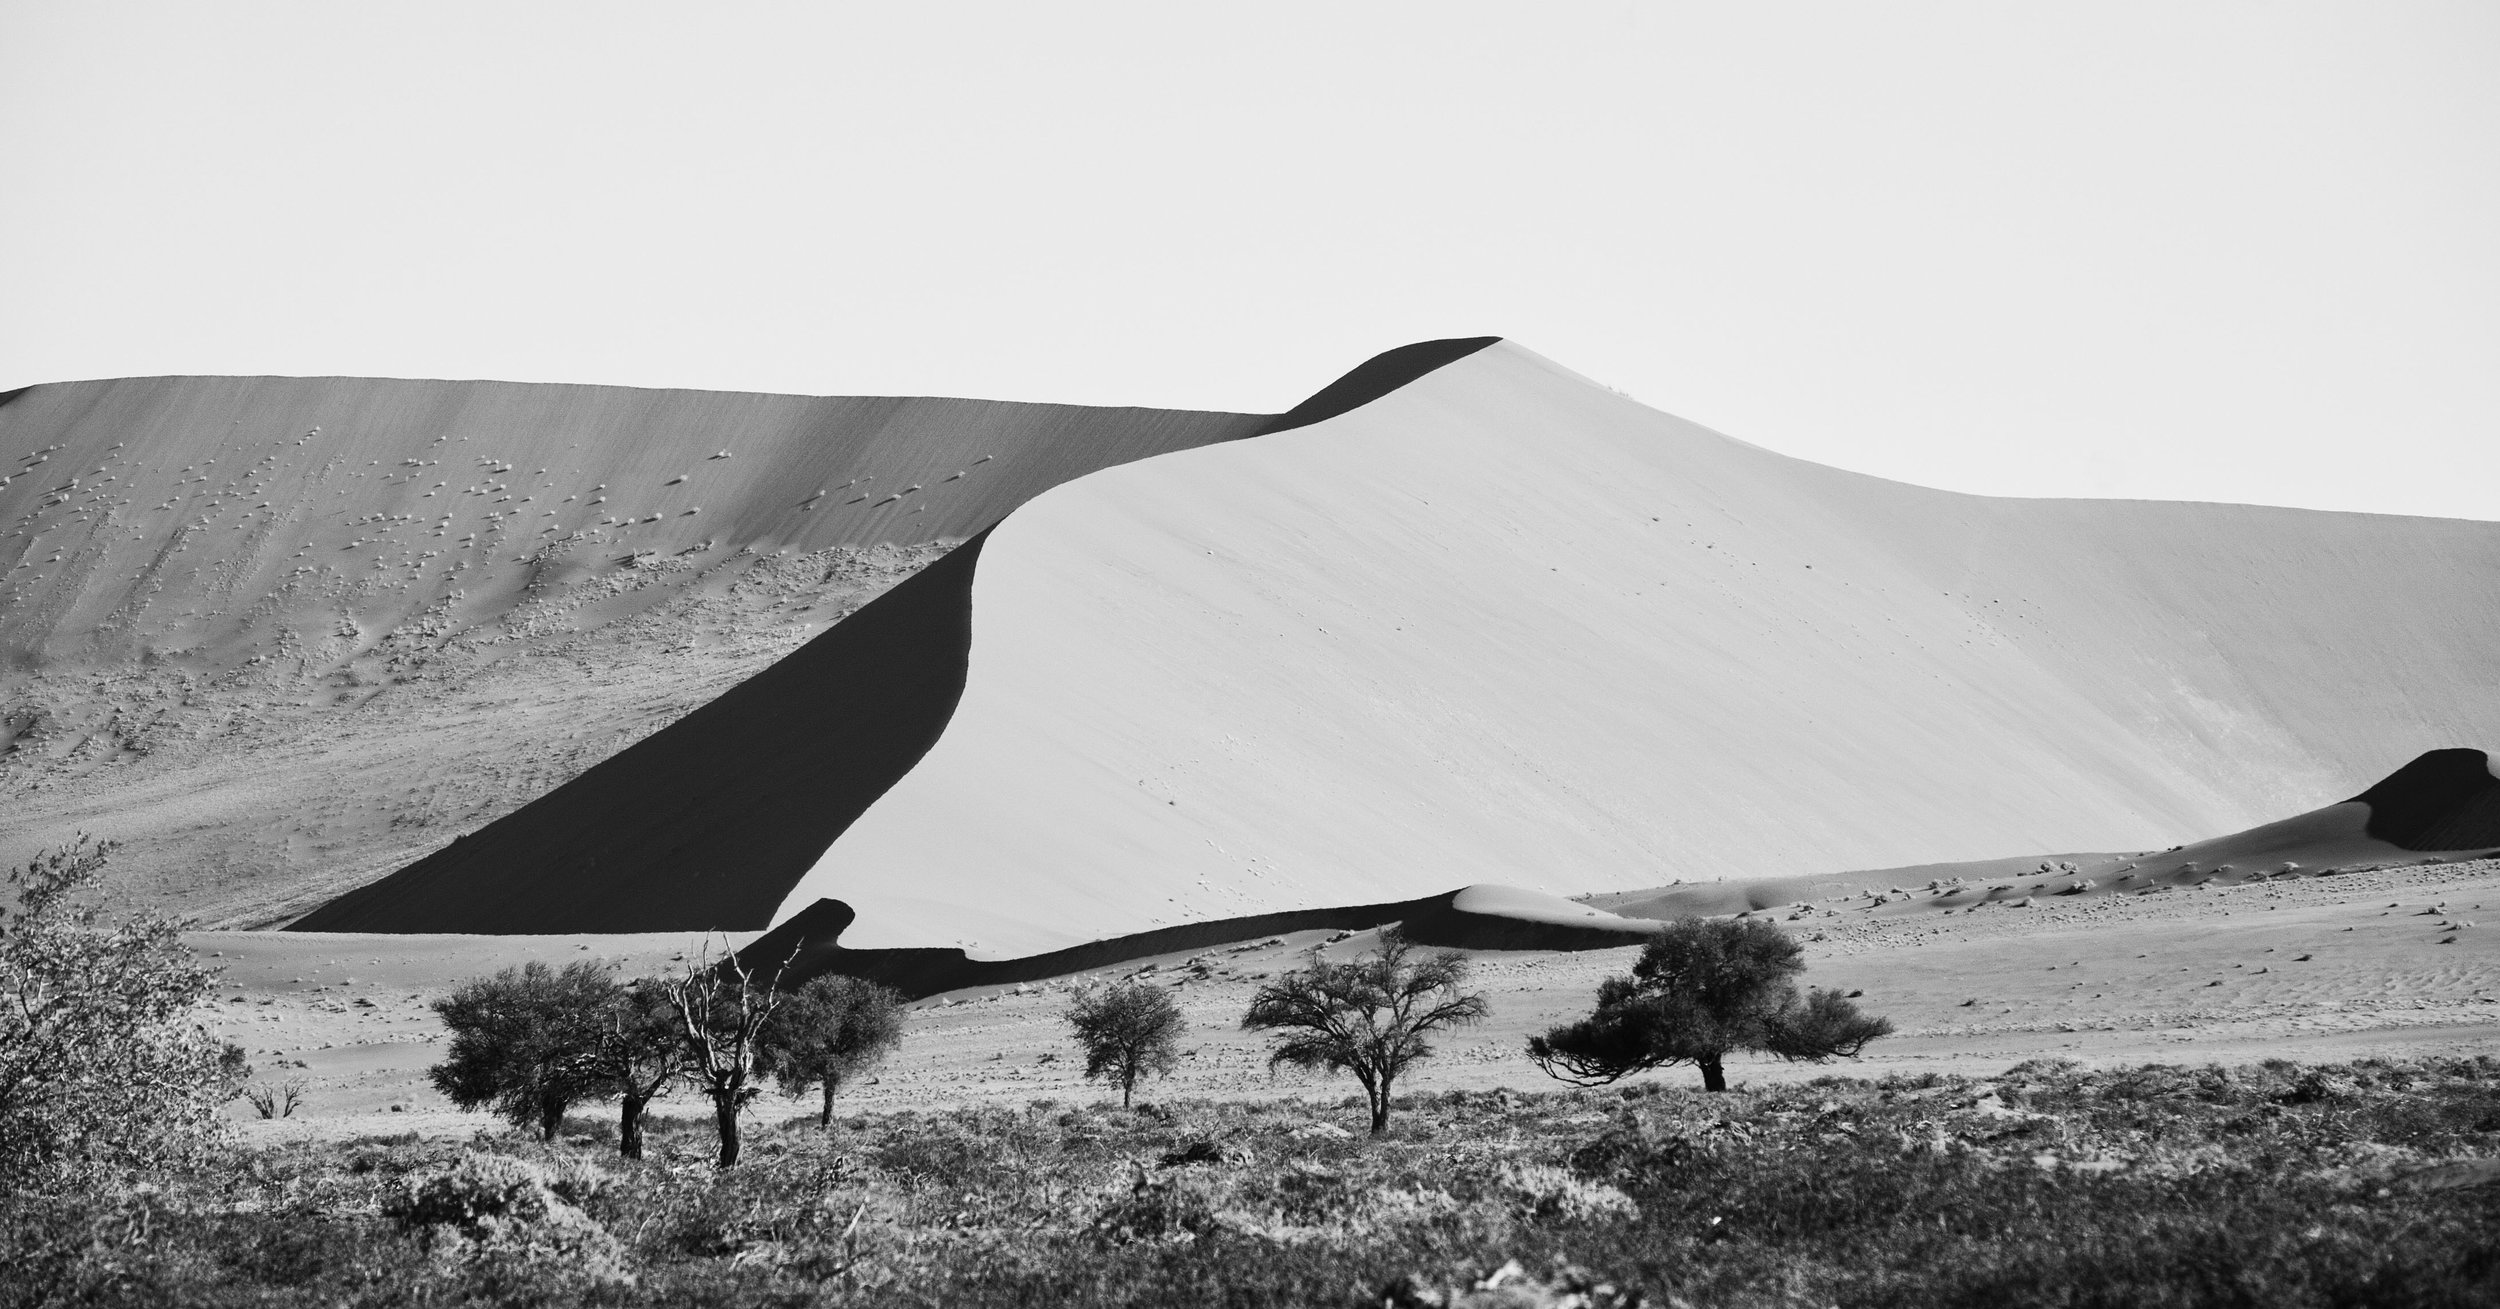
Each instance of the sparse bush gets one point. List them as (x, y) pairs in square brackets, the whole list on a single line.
[(279, 1101), (102, 1069)]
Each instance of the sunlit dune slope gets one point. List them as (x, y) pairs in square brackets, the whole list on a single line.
[(1504, 626)]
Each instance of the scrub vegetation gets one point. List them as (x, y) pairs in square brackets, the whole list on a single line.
[(2276, 1185)]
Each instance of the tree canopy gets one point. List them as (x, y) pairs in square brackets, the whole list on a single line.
[(1704, 989), (1128, 1030), (522, 1041), (828, 1032), (1367, 1016)]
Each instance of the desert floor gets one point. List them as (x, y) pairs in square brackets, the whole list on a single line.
[(2327, 969)]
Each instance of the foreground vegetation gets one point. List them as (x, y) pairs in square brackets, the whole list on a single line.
[(2278, 1185)]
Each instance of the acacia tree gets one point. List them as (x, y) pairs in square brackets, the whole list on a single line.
[(1128, 1030), (102, 1068), (722, 1008), (523, 1041), (1704, 989), (829, 1031), (1367, 1016), (636, 1054)]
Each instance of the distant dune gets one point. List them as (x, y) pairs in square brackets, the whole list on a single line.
[(2441, 807), (218, 519)]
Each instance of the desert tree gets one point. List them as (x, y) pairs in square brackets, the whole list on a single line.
[(722, 1007), (1128, 1030), (103, 1068), (523, 1041), (829, 1031), (1368, 1016), (1704, 989), (636, 1051)]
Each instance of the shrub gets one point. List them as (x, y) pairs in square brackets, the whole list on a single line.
[(102, 1070), (513, 1218)]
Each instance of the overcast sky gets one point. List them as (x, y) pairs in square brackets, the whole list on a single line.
[(2208, 251)]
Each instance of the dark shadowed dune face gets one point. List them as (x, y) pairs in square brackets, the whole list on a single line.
[(707, 823), (2444, 800), (711, 820), (1374, 378)]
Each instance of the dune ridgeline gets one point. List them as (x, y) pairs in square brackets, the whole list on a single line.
[(1464, 620)]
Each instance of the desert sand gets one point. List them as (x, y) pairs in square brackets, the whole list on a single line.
[(2376, 964)]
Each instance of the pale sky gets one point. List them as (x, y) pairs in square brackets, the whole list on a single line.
[(2226, 251)]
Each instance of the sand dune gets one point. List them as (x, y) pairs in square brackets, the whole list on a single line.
[(1504, 626), (279, 632), (708, 822)]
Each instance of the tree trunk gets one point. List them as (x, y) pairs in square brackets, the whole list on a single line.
[(725, 1113), (1713, 1077), (1128, 1089), (1380, 1107), (825, 1119), (629, 1126), (550, 1117)]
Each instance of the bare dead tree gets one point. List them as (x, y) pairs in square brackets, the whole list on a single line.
[(722, 1007)]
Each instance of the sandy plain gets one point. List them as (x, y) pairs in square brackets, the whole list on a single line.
[(2371, 964)]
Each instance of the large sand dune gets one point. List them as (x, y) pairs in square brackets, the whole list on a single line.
[(283, 634), (1504, 626), (708, 822)]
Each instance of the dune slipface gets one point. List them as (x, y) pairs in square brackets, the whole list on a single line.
[(1503, 626)]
